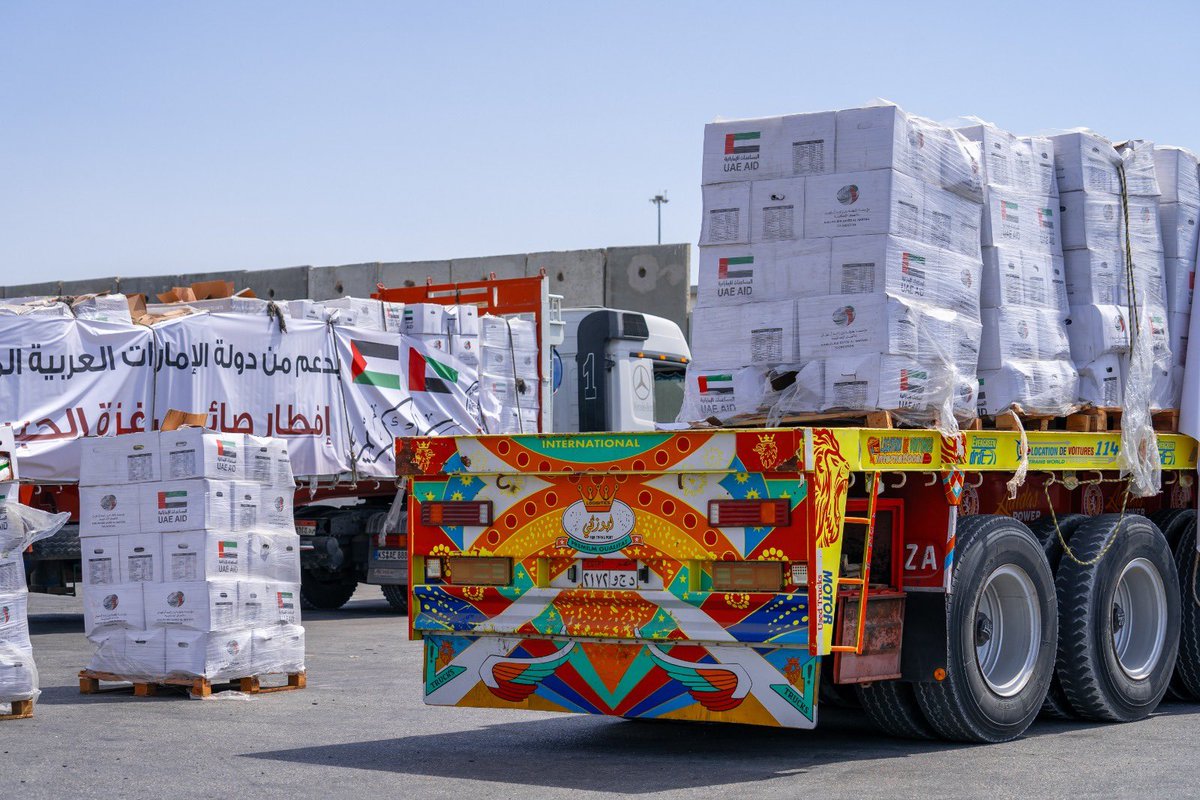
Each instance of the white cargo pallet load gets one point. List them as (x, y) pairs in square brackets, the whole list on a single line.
[(191, 561), (840, 268), (1120, 292), (1024, 352)]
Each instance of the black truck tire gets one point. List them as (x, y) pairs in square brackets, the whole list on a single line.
[(1119, 618), (892, 707), (1173, 522), (397, 596), (319, 591), (1002, 623), (1056, 705), (1185, 684)]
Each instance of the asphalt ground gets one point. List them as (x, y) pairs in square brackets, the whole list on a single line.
[(360, 730)]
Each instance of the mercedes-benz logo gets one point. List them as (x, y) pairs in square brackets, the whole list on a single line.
[(641, 382)]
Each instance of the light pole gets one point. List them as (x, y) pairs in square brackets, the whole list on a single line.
[(658, 200)]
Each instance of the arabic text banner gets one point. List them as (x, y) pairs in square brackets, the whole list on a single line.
[(62, 379), (251, 377)]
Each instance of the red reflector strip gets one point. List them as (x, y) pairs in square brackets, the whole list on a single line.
[(457, 512), (749, 513)]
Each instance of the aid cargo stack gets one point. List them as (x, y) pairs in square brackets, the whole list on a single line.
[(1101, 282), (508, 375), (1024, 352), (1179, 220), (839, 267), (190, 557)]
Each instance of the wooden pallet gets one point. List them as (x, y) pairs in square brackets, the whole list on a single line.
[(21, 709), (831, 419), (90, 680), (1108, 420)]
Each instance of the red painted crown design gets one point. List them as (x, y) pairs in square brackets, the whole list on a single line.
[(598, 495)]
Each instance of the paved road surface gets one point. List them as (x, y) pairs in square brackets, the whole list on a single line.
[(360, 731)]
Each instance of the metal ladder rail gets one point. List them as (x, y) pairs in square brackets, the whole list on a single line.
[(864, 579)]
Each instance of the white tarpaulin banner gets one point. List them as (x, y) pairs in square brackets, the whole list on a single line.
[(251, 377), (395, 386), (62, 379)]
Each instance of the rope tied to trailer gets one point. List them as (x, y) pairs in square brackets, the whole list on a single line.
[(1018, 479), (1067, 551)]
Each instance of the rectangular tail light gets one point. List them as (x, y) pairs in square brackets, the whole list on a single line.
[(398, 541), (479, 571), (747, 576), (475, 513), (749, 513)]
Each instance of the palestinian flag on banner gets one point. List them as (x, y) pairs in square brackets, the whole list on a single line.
[(742, 267), (171, 500), (427, 374), (375, 363), (716, 384)]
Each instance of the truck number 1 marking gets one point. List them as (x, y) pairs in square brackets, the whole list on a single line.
[(928, 558), (589, 377)]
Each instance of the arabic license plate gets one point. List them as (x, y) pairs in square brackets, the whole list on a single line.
[(391, 555), (605, 573)]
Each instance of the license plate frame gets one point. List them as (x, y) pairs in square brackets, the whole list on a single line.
[(391, 554), (609, 574)]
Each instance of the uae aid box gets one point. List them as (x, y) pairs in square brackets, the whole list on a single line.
[(466, 349), (863, 203), (12, 571), (275, 556), (1091, 221), (854, 325), (221, 654), (1025, 334), (110, 509), (18, 678), (268, 462), (1095, 331), (1100, 383), (198, 504), (742, 150), (808, 143), (1181, 280), (141, 557), (796, 388), (1094, 277), (462, 320), (255, 604), (726, 214), (119, 605), (1021, 219), (393, 317), (1137, 159), (1013, 277), (278, 648), (144, 653), (424, 319), (1177, 175), (1017, 162), (884, 137), (129, 458), (750, 333), (1085, 162), (100, 560), (286, 606), (1047, 387), (108, 651), (744, 273), (198, 453), (722, 392), (777, 210), (505, 362), (1177, 324), (1180, 229), (864, 383), (907, 269), (14, 617), (275, 511), (434, 344), (358, 312), (519, 334), (198, 605), (516, 420), (205, 556)]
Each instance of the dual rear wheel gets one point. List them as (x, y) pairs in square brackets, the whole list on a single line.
[(1091, 632)]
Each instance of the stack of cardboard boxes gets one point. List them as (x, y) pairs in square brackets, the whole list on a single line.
[(509, 398), (1108, 199), (1024, 352), (446, 329), (840, 254), (190, 556), (1179, 217)]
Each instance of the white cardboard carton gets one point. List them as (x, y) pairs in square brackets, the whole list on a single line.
[(1025, 279), (462, 320), (18, 678), (504, 363), (12, 572), (1038, 387), (144, 653), (14, 618), (198, 453), (466, 349), (1177, 324), (1095, 331), (268, 462), (1181, 280), (726, 209), (256, 604), (1100, 383), (1085, 162), (117, 606), (854, 325), (198, 504), (507, 332), (750, 333), (100, 560), (746, 273), (110, 509), (864, 383), (742, 150), (225, 654), (141, 557), (808, 143), (1016, 162), (1022, 220), (424, 319), (1177, 175), (198, 605), (1091, 221), (905, 269), (109, 652), (1021, 334), (1180, 230), (286, 609), (275, 557), (1094, 277), (278, 648), (205, 555), (276, 512), (776, 210), (722, 392), (129, 458)]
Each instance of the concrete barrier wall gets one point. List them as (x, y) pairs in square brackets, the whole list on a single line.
[(652, 279)]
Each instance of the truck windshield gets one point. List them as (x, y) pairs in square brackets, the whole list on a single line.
[(668, 391)]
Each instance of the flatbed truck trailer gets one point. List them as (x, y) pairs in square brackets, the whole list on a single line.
[(746, 575)]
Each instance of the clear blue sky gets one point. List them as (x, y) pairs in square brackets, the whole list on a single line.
[(155, 137)]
